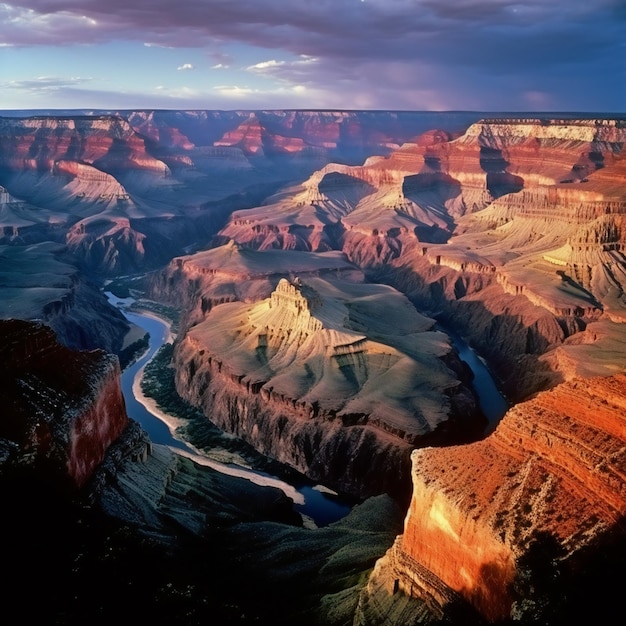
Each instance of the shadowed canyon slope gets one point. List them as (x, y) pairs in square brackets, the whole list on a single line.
[(320, 263), (334, 376)]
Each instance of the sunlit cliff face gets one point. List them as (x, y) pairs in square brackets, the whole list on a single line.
[(460, 550), (554, 467)]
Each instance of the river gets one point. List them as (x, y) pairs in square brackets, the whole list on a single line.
[(313, 501), (492, 403)]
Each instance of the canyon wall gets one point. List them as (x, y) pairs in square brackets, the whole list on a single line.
[(128, 190), (335, 377), (511, 232), (489, 519), (62, 408), (42, 282)]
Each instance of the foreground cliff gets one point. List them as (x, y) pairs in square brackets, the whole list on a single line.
[(510, 527), (97, 516), (62, 408)]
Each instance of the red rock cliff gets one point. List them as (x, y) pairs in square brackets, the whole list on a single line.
[(62, 408), (555, 467)]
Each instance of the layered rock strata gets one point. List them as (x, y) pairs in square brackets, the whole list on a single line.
[(486, 519), (232, 273), (527, 208), (106, 141), (62, 408), (127, 191), (339, 380)]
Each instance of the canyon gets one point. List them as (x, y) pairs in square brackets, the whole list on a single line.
[(316, 260)]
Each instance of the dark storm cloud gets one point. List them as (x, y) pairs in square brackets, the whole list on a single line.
[(352, 26), (520, 44)]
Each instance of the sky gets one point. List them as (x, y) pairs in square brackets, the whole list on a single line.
[(483, 55)]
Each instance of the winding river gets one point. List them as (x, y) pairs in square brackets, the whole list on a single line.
[(316, 503), (492, 403)]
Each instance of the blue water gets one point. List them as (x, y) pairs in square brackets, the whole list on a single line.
[(158, 431), (492, 403), (322, 508)]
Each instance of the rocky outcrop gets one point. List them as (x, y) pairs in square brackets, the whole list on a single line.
[(353, 134), (107, 142), (62, 408), (488, 520), (39, 282), (233, 273), (148, 486), (319, 378)]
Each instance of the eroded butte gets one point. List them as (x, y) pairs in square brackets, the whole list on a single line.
[(334, 376)]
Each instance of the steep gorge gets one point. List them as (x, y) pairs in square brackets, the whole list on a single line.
[(511, 232)]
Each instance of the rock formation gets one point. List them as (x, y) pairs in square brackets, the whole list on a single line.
[(510, 232), (128, 191), (527, 208), (62, 408), (41, 282), (542, 490), (232, 273), (337, 379)]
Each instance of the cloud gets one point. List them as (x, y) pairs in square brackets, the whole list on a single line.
[(265, 65), (486, 53), (185, 66), (219, 66), (44, 83)]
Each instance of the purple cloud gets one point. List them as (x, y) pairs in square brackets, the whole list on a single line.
[(371, 46)]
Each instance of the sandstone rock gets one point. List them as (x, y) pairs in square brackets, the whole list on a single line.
[(525, 207), (552, 474), (319, 377)]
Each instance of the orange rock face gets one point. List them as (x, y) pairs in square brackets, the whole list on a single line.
[(555, 467)]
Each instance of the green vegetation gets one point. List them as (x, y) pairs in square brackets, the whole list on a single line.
[(158, 383), (132, 352), (164, 311)]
